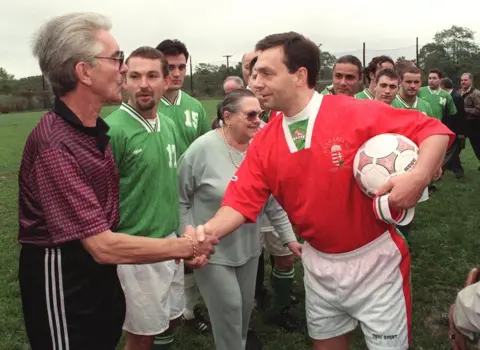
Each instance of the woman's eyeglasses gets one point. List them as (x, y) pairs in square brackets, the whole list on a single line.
[(252, 115)]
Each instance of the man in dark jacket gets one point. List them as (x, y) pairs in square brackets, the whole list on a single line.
[(457, 124), (471, 96)]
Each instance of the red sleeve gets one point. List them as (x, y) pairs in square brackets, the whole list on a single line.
[(247, 192), (68, 202), (410, 123)]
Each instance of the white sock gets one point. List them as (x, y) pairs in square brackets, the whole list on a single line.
[(191, 296)]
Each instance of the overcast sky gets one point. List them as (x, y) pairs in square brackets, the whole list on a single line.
[(213, 28)]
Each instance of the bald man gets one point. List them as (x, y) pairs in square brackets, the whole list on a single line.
[(232, 83), (246, 59)]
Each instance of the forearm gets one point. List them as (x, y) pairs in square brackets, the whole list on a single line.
[(225, 221), (118, 248), (431, 154), (285, 230), (466, 315)]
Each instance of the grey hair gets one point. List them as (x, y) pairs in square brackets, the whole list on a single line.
[(469, 75), (64, 41), (236, 79)]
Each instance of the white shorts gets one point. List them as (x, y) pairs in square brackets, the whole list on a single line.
[(370, 285), (154, 295), (273, 244)]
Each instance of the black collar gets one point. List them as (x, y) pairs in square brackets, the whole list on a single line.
[(99, 131)]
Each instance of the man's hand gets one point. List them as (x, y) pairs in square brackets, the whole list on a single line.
[(438, 174), (205, 244), (473, 277), (295, 248), (405, 189)]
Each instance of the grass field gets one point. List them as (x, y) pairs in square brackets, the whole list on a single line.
[(445, 244)]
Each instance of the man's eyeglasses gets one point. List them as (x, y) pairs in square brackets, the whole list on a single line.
[(118, 56)]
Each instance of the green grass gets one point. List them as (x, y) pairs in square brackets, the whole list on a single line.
[(444, 244)]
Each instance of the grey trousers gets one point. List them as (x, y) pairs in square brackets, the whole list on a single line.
[(228, 293)]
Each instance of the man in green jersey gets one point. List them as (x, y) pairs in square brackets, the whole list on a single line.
[(411, 81), (387, 84), (347, 73), (145, 149), (191, 122), (441, 101), (400, 91), (186, 112), (369, 74)]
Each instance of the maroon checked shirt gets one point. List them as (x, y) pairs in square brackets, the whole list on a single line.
[(68, 181)]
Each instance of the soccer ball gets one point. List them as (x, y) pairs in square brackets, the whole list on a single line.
[(382, 157)]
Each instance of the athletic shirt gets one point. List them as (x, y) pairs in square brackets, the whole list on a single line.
[(440, 101), (364, 95), (203, 175), (313, 180), (189, 116), (146, 156), (419, 105)]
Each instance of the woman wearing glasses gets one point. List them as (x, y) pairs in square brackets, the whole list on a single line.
[(227, 283)]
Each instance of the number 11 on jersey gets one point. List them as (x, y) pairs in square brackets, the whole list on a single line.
[(172, 156)]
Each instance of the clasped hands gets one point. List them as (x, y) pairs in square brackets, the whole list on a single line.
[(204, 243)]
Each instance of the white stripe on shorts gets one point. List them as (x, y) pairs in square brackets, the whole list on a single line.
[(55, 299)]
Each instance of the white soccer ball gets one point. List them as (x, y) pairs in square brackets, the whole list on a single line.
[(382, 157)]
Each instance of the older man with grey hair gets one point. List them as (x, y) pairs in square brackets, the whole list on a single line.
[(232, 83), (69, 197)]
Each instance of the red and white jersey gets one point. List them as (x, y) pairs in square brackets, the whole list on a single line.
[(315, 185)]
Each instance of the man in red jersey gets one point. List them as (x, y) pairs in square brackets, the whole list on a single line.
[(357, 268)]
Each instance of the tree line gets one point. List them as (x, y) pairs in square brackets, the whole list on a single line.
[(453, 51)]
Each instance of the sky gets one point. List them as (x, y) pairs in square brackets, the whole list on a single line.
[(213, 28)]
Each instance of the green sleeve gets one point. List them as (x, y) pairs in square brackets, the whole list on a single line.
[(451, 109), (118, 144), (429, 110), (204, 123), (186, 189)]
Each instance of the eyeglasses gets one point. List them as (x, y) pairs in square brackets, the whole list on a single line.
[(118, 56), (252, 115)]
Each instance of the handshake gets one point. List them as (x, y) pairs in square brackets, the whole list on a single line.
[(203, 245)]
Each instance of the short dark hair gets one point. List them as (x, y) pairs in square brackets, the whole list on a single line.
[(150, 53), (252, 64), (401, 65), (389, 73), (298, 52), (350, 59), (412, 70), (374, 64), (230, 104), (173, 48), (437, 72), (447, 83)]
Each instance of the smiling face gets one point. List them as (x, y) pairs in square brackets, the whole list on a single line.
[(273, 83), (243, 124)]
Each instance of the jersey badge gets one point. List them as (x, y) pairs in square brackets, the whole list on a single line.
[(335, 149)]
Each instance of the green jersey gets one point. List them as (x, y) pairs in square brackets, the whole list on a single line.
[(441, 102), (328, 90), (189, 117), (364, 95), (146, 158), (419, 105)]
